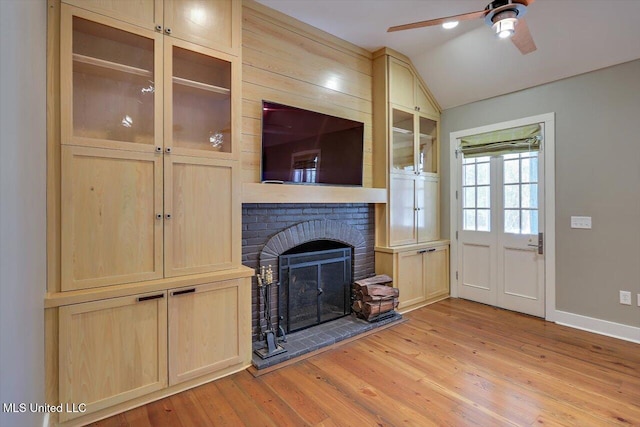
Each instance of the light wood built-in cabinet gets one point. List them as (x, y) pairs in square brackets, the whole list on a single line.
[(149, 296), (406, 153), (112, 350), (147, 153), (406, 160), (201, 340), (210, 23), (421, 272)]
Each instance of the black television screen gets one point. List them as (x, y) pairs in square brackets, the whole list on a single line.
[(306, 147)]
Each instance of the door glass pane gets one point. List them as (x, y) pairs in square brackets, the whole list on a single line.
[(511, 171), (511, 196), (512, 221), (402, 141), (469, 219), (113, 84), (483, 220), (201, 102), (469, 197), (484, 197), (470, 174), (529, 195), (427, 156), (484, 171)]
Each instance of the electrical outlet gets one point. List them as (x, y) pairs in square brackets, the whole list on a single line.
[(625, 297), (638, 300)]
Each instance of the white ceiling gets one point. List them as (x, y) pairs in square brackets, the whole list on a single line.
[(469, 63)]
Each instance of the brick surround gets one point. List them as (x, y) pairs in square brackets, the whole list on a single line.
[(268, 230)]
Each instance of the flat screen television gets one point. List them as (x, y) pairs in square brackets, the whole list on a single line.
[(306, 147)]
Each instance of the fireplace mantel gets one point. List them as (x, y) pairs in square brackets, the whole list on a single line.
[(288, 193)]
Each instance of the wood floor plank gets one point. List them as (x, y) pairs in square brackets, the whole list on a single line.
[(453, 363)]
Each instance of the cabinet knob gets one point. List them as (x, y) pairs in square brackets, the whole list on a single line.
[(167, 30), (158, 149), (168, 216), (159, 28), (158, 216), (168, 149)]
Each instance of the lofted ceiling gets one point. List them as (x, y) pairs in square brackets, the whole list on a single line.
[(470, 63)]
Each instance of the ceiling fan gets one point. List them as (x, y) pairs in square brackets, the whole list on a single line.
[(504, 16)]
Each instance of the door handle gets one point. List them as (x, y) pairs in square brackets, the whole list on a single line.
[(539, 245)]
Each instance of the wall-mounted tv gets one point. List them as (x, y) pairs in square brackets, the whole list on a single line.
[(306, 147)]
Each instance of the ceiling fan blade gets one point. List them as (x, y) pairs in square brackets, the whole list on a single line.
[(522, 38), (420, 24)]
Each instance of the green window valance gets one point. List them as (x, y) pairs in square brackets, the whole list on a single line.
[(505, 141)]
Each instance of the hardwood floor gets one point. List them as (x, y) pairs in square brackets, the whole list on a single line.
[(453, 363)]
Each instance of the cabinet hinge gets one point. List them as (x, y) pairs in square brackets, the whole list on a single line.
[(456, 194), (457, 153), (456, 275), (456, 235)]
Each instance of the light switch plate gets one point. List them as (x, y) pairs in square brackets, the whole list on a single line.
[(581, 222)]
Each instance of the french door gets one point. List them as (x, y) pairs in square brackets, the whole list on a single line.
[(501, 223)]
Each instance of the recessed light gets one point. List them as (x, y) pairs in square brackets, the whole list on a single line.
[(449, 25)]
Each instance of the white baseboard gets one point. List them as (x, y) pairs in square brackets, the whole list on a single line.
[(598, 326)]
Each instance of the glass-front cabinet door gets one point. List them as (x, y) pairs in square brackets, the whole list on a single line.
[(199, 105), (414, 142), (109, 83), (427, 145), (402, 142)]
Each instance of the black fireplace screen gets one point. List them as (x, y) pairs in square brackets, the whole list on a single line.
[(315, 287)]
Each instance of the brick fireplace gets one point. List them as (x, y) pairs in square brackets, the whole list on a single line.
[(270, 230)]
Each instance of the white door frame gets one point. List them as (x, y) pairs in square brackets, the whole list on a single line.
[(548, 152)]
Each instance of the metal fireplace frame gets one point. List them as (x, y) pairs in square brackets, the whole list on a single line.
[(287, 262)]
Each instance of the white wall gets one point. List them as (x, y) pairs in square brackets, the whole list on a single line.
[(22, 205), (597, 122)]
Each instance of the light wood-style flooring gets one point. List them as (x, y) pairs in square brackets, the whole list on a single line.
[(453, 363)]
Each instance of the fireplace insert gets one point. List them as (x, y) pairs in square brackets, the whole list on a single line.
[(315, 286)]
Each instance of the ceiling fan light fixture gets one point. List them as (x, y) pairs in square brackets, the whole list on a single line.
[(449, 25), (504, 23)]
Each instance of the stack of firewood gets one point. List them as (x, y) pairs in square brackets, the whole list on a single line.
[(374, 296)]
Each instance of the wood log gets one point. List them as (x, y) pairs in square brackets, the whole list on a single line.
[(380, 279), (357, 306), (375, 290), (372, 309)]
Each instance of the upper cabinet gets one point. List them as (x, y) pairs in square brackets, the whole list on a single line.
[(129, 88), (148, 185), (406, 90), (406, 152), (213, 24)]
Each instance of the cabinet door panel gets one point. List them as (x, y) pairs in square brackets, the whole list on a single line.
[(209, 23), (200, 101), (423, 102), (145, 13), (437, 272), (207, 329), (200, 196), (410, 278), (110, 230), (112, 351), (403, 214), (110, 88), (401, 84), (427, 203)]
